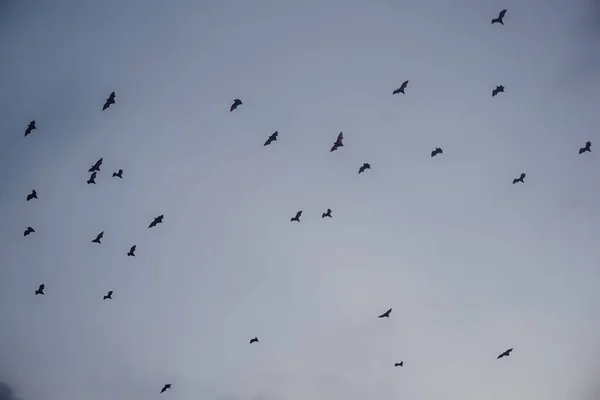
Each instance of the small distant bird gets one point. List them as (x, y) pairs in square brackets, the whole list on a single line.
[(110, 101), (108, 295), (326, 214), (92, 178), (118, 174), (167, 386), (401, 88), (499, 89), (97, 165), (400, 364), (156, 221), (272, 138), (338, 142), (586, 148), (32, 195), (30, 127), (297, 217), (386, 314), (500, 18), (100, 236), (505, 354), (436, 152), (236, 104), (255, 340), (28, 231), (520, 179), (364, 167), (40, 290), (132, 251)]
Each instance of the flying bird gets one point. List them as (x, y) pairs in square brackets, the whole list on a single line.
[(520, 179), (32, 195), (28, 231), (167, 386), (110, 101), (499, 89), (400, 364), (436, 152), (255, 340), (297, 217), (97, 165), (326, 214), (92, 178), (156, 221), (272, 138), (236, 104), (386, 314), (108, 295), (100, 236), (338, 142), (40, 290), (30, 127), (132, 251), (586, 148), (118, 174), (364, 167), (505, 354), (401, 88), (500, 18)]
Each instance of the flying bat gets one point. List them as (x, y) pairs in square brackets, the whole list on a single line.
[(236, 104), (436, 152), (92, 178), (364, 167), (499, 89), (505, 354), (28, 231), (40, 290), (500, 18), (271, 138), (401, 88), (32, 195), (156, 221), (520, 179), (326, 214), (132, 251), (586, 148), (110, 101), (255, 340), (386, 314), (297, 217), (118, 174), (108, 295), (338, 142), (30, 127), (97, 165), (100, 236), (400, 364), (167, 386)]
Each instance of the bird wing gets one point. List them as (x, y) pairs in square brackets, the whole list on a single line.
[(396, 91), (340, 137), (42, 286), (110, 292), (502, 14)]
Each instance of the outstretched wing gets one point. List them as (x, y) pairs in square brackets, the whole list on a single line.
[(502, 14)]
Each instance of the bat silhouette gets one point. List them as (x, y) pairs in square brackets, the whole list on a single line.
[(326, 214), (92, 178), (156, 221), (30, 127), (401, 88), (297, 217), (108, 295), (364, 167), (96, 166), (500, 18), (586, 148), (400, 364), (499, 89), (255, 340), (98, 238), (28, 231), (132, 251), (338, 142), (386, 314), (110, 101), (271, 138), (118, 174), (167, 386), (32, 195), (505, 354), (40, 289), (436, 152), (236, 104), (520, 179)]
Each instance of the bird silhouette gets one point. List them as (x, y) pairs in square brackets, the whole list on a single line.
[(40, 289), (326, 214), (297, 217), (118, 174), (132, 251), (167, 386), (108, 295), (272, 138), (499, 89), (32, 195), (505, 354), (338, 142), (30, 127), (97, 165), (386, 314), (401, 88), (236, 104), (400, 364), (587, 147), (364, 167), (500, 18), (436, 152), (156, 221), (520, 178), (92, 178), (110, 101), (28, 231), (98, 238), (255, 340)]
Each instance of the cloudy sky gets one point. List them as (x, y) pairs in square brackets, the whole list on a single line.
[(471, 264)]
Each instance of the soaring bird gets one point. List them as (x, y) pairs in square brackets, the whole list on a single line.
[(30, 127), (436, 152), (156, 221), (386, 314), (500, 18), (32, 195), (132, 251), (364, 167), (40, 290), (499, 89), (400, 364), (108, 295), (297, 217), (520, 179), (236, 104), (586, 148), (110, 101), (401, 88), (167, 386), (255, 340), (28, 231), (272, 138), (505, 354), (92, 178), (326, 214), (97, 165), (118, 174), (100, 236), (338, 142)]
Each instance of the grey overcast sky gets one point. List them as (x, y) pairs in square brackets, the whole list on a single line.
[(470, 263)]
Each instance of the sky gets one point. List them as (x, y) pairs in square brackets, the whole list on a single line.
[(471, 264)]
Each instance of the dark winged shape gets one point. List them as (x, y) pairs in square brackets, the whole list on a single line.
[(520, 178), (92, 178), (255, 340), (436, 152), (499, 89), (326, 214), (118, 174), (110, 101), (156, 221), (505, 354), (236, 104), (108, 295), (30, 127), (401, 88), (297, 217), (167, 386), (32, 195), (271, 138), (100, 236), (28, 231), (500, 18), (364, 167), (386, 314), (587, 147), (338, 142), (97, 165), (400, 364), (132, 251), (40, 289)]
